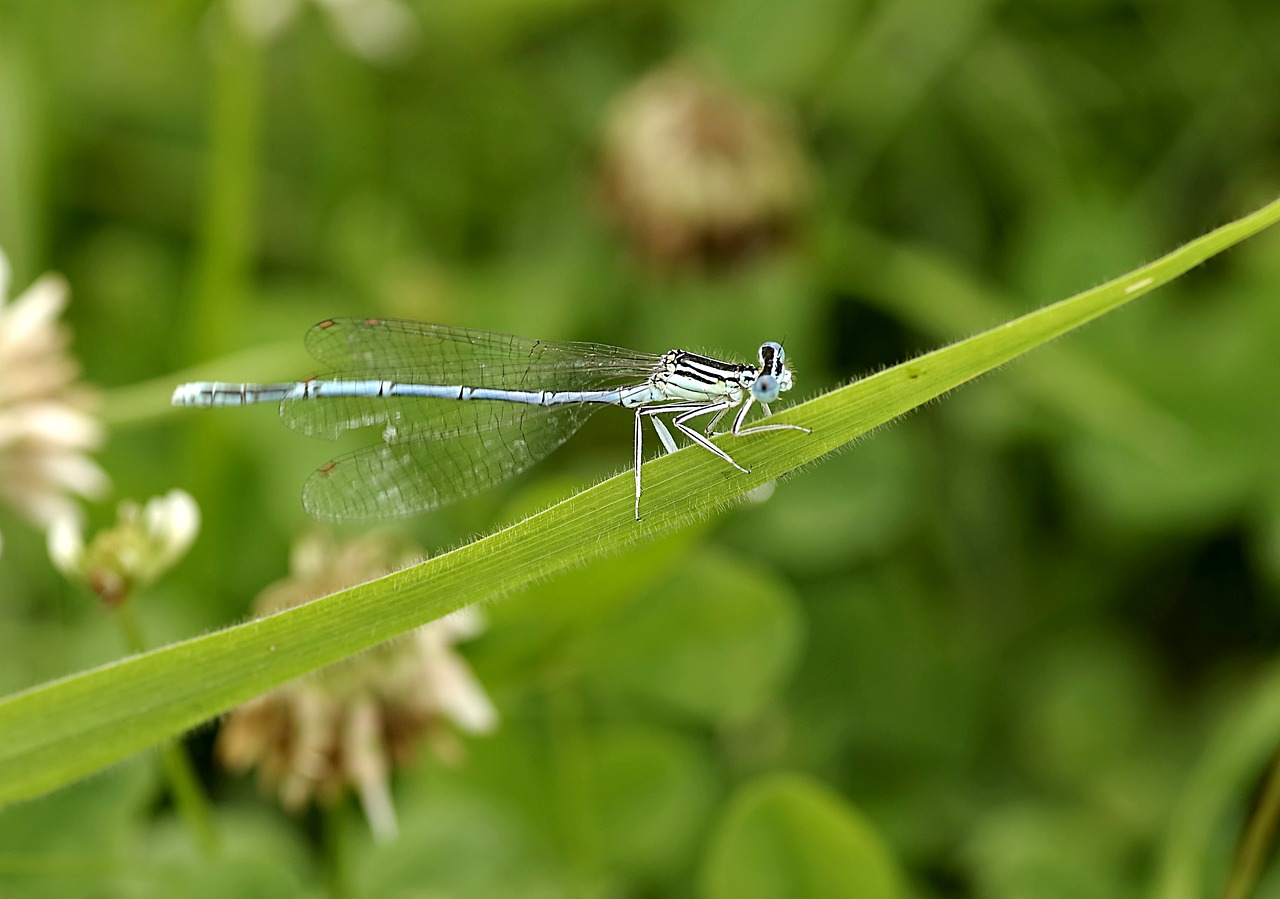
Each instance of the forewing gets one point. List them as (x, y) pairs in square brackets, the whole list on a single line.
[(420, 352)]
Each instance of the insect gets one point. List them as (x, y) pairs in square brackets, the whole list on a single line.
[(462, 410)]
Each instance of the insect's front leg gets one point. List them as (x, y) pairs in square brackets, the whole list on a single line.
[(739, 431)]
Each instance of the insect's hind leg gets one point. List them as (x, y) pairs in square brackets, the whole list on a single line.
[(639, 455), (664, 435)]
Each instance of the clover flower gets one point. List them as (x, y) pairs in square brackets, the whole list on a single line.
[(145, 542), (344, 727), (46, 426), (696, 173)]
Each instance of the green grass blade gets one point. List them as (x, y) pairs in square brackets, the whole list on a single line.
[(57, 732)]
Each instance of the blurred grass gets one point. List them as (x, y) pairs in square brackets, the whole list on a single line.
[(967, 578)]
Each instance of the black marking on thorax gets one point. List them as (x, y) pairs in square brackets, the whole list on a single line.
[(706, 370)]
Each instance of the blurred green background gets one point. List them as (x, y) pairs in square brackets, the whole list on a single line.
[(1017, 645)]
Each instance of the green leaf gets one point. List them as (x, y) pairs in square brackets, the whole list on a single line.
[(784, 835), (654, 793), (456, 844), (717, 647), (78, 836), (55, 733)]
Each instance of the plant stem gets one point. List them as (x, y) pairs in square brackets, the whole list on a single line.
[(1259, 832), (231, 189), (572, 774), (188, 796), (335, 851)]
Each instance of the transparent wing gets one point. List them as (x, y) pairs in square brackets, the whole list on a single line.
[(423, 353), (437, 451), (403, 478), (401, 418), (440, 354)]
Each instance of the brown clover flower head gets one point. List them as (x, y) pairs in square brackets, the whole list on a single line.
[(696, 173), (344, 727)]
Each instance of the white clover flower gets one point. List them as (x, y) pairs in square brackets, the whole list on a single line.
[(377, 31), (46, 429), (345, 727), (144, 543)]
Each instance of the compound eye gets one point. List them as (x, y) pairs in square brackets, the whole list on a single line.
[(765, 389)]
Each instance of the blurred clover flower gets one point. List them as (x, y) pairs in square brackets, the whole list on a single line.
[(145, 543), (345, 726), (377, 31), (696, 173), (46, 429)]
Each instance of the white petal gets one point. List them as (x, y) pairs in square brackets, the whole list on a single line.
[(66, 544), (174, 519), (54, 424), (375, 30), (263, 19), (367, 767), (75, 473), (458, 694), (34, 313), (42, 505), (461, 625), (375, 800)]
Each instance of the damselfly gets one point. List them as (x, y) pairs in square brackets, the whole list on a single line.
[(461, 410)]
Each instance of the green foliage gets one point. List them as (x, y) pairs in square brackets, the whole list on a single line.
[(72, 727), (1019, 643), (786, 836)]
